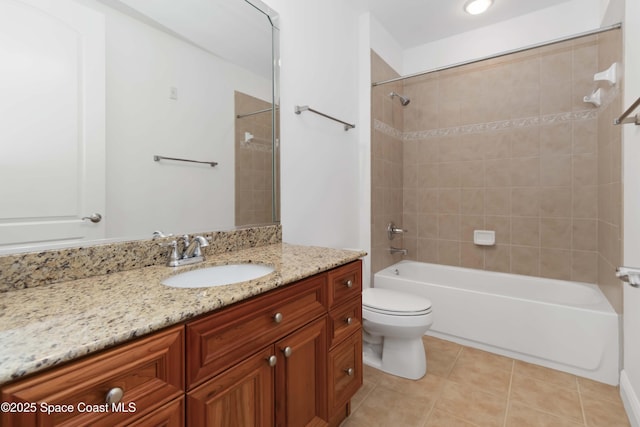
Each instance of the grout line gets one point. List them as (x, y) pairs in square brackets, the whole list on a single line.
[(584, 414), (506, 412)]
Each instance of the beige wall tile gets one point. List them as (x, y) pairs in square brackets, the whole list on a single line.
[(525, 260), (525, 171), (555, 264), (497, 201), (555, 171), (501, 225), (555, 233), (525, 201), (469, 223), (555, 139), (449, 227), (472, 201), (555, 202), (498, 258), (448, 252), (525, 231), (471, 256), (584, 266)]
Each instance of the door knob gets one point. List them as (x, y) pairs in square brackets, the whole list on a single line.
[(95, 218)]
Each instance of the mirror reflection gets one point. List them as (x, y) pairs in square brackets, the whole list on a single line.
[(101, 97)]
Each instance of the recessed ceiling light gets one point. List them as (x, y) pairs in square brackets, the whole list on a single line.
[(476, 7)]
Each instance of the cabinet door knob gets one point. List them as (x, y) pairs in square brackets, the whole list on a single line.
[(272, 360), (348, 283), (349, 371), (278, 317), (114, 395), (348, 320), (287, 351)]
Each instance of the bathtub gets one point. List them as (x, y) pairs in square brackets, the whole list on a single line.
[(562, 325)]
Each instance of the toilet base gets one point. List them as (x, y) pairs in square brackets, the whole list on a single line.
[(397, 356)]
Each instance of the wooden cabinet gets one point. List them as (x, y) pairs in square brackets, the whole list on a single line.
[(148, 372), (345, 339), (291, 357), (288, 330)]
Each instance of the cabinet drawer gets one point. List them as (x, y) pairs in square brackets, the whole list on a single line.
[(170, 415), (218, 341), (344, 320), (149, 371), (345, 371), (345, 282)]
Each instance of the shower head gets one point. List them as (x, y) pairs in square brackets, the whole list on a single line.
[(403, 99)]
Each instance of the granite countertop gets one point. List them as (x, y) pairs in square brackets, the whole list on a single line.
[(44, 326)]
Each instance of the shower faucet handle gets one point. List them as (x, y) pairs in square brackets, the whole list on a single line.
[(392, 230)]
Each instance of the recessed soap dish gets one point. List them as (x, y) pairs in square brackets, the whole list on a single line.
[(484, 237)]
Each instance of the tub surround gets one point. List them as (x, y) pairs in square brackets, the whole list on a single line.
[(45, 326), (567, 326), (27, 270)]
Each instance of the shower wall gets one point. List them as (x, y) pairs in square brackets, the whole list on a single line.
[(506, 144), (253, 181), (387, 166)]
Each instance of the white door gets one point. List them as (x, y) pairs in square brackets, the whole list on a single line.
[(630, 378), (52, 121)]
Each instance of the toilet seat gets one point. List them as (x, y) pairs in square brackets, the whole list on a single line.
[(392, 303)]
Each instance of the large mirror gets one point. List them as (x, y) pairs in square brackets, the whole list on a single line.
[(123, 117)]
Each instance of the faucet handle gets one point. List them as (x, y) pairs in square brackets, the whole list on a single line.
[(173, 255)]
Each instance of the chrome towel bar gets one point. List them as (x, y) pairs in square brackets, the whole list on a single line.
[(623, 119), (157, 158), (300, 108)]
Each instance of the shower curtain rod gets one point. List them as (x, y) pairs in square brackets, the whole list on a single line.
[(498, 55)]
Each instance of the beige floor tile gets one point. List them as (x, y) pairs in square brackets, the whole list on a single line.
[(522, 416), (471, 405), (541, 373), (441, 355), (384, 408), (596, 390), (481, 376), (546, 397), (604, 413), (361, 395), (372, 375), (428, 386), (443, 419), (484, 359)]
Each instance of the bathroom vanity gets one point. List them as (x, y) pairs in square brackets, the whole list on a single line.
[(275, 351)]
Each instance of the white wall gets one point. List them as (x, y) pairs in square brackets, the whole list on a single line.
[(630, 378), (321, 164), (383, 43), (142, 195), (565, 19)]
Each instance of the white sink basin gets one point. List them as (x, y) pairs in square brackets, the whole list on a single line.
[(218, 275)]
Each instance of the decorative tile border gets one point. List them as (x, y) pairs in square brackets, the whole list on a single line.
[(27, 270), (548, 119)]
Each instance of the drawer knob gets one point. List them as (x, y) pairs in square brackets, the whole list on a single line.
[(272, 360), (349, 371), (278, 317), (114, 395), (287, 351), (348, 320), (349, 283)]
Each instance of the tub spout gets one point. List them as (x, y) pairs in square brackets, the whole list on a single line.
[(398, 250)]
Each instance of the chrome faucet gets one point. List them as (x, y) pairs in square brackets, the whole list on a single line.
[(398, 250), (191, 251)]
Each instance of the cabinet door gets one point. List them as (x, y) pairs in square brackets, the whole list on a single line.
[(241, 396), (301, 389)]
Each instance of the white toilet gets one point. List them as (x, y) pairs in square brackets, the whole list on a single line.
[(393, 325)]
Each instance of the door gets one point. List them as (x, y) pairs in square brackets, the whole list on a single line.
[(52, 132), (241, 396), (301, 380), (630, 378)]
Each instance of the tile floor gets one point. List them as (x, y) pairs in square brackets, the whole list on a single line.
[(465, 387)]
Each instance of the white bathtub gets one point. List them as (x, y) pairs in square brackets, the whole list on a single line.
[(562, 325)]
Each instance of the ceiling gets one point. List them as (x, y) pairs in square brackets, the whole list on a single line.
[(416, 22)]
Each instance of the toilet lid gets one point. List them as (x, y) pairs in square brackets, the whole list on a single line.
[(388, 301)]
